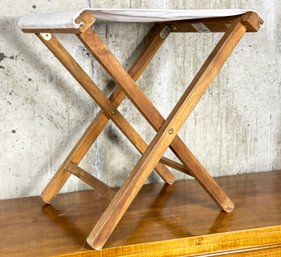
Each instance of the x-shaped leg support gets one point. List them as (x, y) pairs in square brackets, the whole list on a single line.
[(166, 129), (69, 166)]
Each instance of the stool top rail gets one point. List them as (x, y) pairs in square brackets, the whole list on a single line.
[(74, 22)]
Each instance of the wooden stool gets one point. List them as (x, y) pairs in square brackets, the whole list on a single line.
[(234, 24)]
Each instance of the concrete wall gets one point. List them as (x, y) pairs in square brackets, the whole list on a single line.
[(43, 110)]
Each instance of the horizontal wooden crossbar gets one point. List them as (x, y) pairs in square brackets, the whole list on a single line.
[(103, 189), (175, 165)]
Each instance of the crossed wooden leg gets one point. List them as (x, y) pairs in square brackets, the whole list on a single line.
[(166, 129), (96, 127)]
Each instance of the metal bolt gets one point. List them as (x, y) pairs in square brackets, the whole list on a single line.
[(165, 32), (173, 27), (170, 131), (112, 112), (46, 36)]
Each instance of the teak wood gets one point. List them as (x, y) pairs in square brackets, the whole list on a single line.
[(166, 130)]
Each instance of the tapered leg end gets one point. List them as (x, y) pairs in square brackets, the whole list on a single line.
[(93, 244), (228, 206)]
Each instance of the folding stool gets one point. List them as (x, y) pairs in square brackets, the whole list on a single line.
[(234, 24)]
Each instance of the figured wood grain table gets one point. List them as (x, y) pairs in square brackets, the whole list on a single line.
[(161, 218), (233, 23)]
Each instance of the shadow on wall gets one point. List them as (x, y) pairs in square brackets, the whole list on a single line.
[(31, 58)]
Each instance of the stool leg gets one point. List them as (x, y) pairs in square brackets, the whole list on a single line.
[(75, 156), (126, 194), (96, 127)]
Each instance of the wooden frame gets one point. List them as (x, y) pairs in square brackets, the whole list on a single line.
[(167, 130)]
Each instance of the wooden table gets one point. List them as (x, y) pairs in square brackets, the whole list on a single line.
[(161, 217)]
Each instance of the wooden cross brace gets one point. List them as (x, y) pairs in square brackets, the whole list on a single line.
[(167, 130)]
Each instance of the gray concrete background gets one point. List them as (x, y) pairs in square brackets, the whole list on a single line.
[(43, 111)]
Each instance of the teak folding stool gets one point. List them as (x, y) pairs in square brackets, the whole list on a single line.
[(234, 23)]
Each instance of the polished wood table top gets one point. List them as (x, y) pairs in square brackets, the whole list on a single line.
[(28, 228)]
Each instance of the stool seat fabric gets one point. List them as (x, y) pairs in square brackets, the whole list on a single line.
[(67, 19)]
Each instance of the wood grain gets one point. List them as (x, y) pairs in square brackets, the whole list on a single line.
[(253, 242), (159, 213)]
